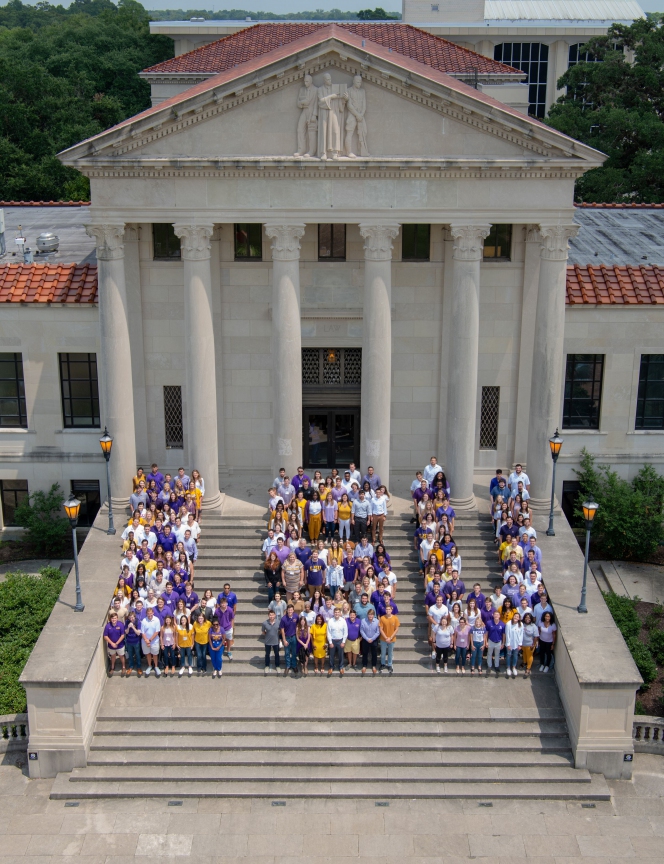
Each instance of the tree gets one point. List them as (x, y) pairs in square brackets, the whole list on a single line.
[(41, 515), (617, 106), (628, 523)]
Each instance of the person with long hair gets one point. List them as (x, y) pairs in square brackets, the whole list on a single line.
[(344, 510), (547, 641), (303, 645), (314, 517), (318, 635), (530, 640), (273, 577), (513, 642), (443, 635)]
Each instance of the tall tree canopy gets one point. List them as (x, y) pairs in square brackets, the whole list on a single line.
[(617, 106), (66, 74)]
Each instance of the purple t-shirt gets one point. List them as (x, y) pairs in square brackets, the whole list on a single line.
[(289, 625), (115, 633), (225, 618), (315, 572), (495, 631), (353, 629)]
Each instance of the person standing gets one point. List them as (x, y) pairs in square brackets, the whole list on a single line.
[(314, 571), (216, 640), (288, 628), (360, 517), (150, 628), (352, 649), (496, 641), (389, 627), (201, 641), (167, 636), (461, 642), (530, 640), (318, 634), (443, 634), (513, 642), (479, 642), (344, 509), (330, 510), (185, 638), (114, 636), (379, 505), (270, 631), (303, 644), (225, 614), (133, 639), (370, 634), (337, 634), (547, 640)]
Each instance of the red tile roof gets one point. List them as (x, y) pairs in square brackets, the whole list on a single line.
[(260, 39), (48, 283), (615, 285), (44, 203), (620, 206)]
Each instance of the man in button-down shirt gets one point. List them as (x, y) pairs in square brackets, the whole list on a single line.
[(286, 491), (337, 633), (360, 516), (431, 470), (371, 478)]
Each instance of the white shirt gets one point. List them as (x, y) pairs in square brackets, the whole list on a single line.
[(337, 629), (513, 635), (132, 564), (268, 545), (379, 505), (430, 472), (443, 635), (437, 612), (179, 532), (513, 482), (139, 533), (194, 527)]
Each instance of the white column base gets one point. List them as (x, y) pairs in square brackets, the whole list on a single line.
[(543, 505), (464, 503), (213, 503)]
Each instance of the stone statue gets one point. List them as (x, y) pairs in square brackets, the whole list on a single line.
[(331, 104), (307, 125), (356, 103)]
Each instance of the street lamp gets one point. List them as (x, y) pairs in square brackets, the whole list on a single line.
[(106, 443), (72, 506), (555, 443), (589, 510)]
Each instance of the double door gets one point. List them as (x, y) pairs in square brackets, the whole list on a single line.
[(331, 437)]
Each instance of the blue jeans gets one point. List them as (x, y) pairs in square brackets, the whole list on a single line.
[(476, 656), (217, 658), (460, 656), (329, 529), (386, 653), (186, 657), (201, 656), (336, 651), (290, 653), (169, 656), (134, 658), (512, 657)]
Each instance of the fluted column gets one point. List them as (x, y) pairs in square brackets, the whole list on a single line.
[(286, 344), (201, 377), (117, 397), (377, 348), (463, 361), (548, 359)]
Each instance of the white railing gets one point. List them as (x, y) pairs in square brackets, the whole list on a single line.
[(13, 732), (648, 734)]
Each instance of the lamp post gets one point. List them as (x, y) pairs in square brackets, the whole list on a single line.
[(106, 443), (72, 506), (589, 510), (555, 443)]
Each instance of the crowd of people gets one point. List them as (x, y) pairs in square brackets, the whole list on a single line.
[(330, 588)]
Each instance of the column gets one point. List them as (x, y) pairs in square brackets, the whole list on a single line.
[(117, 397), (286, 344), (463, 361), (135, 320), (377, 349), (201, 374), (548, 359)]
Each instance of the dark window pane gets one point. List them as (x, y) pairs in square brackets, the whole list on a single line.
[(12, 493), (173, 417), (415, 242), (324, 241), (583, 391), (650, 401), (498, 243), (166, 243), (88, 493), (249, 240), (339, 242), (80, 390), (332, 242), (12, 391), (531, 58)]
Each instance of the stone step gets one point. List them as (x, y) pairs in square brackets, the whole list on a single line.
[(82, 784)]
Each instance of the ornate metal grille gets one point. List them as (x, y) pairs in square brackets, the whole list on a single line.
[(331, 366), (173, 418), (353, 366), (310, 365), (489, 418)]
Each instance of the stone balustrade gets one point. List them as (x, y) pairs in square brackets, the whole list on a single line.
[(648, 734), (13, 732)]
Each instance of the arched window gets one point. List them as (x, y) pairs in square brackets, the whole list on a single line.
[(533, 59)]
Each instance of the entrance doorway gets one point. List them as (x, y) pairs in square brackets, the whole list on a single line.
[(331, 437)]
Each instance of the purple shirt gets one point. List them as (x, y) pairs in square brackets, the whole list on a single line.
[(495, 631), (289, 625), (282, 553), (302, 555), (170, 599), (353, 629), (479, 599), (115, 633), (225, 618), (158, 478), (297, 481), (231, 598), (487, 615), (459, 587), (190, 600), (315, 572), (418, 494), (373, 481), (430, 599)]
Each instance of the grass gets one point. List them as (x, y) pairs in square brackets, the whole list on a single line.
[(26, 602)]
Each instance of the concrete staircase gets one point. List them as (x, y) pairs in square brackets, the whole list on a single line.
[(198, 738)]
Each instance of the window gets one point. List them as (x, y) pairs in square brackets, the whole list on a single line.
[(13, 493), (650, 401), (498, 245), (583, 391), (249, 241), (533, 59), (12, 391), (341, 367), (415, 242), (87, 492), (569, 501), (434, 7), (332, 242), (173, 418), (80, 391), (576, 56), (489, 418), (166, 245)]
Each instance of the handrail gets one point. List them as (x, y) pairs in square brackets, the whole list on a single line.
[(13, 732), (648, 734)]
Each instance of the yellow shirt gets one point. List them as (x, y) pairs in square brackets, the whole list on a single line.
[(336, 555), (344, 511), (507, 615), (186, 638), (201, 632), (150, 565)]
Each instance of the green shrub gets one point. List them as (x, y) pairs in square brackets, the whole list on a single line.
[(628, 523), (41, 515), (623, 610), (26, 603), (656, 645), (638, 708), (643, 659)]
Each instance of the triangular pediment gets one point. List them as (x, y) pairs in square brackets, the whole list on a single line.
[(400, 112)]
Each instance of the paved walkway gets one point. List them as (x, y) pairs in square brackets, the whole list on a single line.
[(629, 579), (34, 565), (35, 830)]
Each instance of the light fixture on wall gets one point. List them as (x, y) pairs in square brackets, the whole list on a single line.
[(72, 506), (331, 355)]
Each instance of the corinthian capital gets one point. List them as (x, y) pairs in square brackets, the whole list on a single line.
[(109, 240), (194, 241), (468, 241), (555, 241), (378, 241), (285, 240)]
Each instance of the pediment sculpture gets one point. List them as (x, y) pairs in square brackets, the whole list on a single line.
[(332, 122)]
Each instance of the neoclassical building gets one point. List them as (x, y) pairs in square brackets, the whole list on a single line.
[(332, 250)]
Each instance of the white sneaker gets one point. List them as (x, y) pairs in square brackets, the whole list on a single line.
[(181, 672), (433, 655), (191, 671), (214, 673), (541, 668), (147, 671), (445, 669), (157, 672), (438, 669), (546, 669), (267, 670), (219, 674), (514, 672), (508, 673)]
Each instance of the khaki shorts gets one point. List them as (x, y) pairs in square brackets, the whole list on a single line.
[(352, 647), (119, 651)]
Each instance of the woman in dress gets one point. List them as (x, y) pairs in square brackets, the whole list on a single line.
[(303, 641), (318, 634), (167, 638), (292, 575)]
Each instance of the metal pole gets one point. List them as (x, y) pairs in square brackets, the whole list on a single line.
[(582, 605), (79, 602), (549, 531), (111, 527)]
